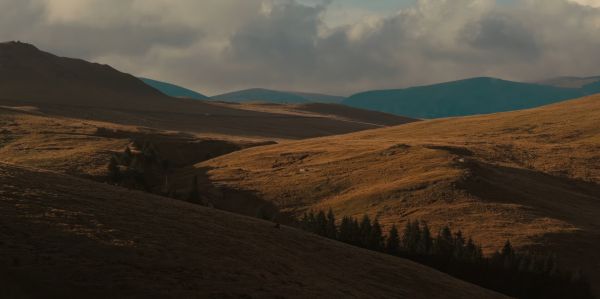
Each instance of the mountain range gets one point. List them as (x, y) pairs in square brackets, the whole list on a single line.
[(466, 97), (457, 98)]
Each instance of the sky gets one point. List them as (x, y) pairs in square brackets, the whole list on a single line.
[(330, 46)]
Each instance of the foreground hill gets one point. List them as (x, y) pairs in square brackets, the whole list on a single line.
[(465, 97), (174, 90), (530, 176), (67, 237), (80, 89), (275, 96)]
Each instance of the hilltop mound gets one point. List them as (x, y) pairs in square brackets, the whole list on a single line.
[(464, 97), (96, 241), (530, 176), (29, 74)]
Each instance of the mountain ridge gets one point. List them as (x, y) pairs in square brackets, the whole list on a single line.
[(276, 96), (480, 95), (174, 90)]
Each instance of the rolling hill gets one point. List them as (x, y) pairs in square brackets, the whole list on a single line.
[(465, 97), (174, 90), (530, 176), (275, 96), (570, 82), (80, 89), (67, 237)]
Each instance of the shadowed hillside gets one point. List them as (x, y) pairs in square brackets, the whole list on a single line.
[(465, 97), (79, 89), (96, 241), (174, 90), (530, 176)]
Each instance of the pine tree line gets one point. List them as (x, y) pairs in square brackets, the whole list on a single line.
[(146, 170), (522, 275)]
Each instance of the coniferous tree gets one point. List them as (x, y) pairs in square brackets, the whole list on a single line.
[(508, 255), (356, 233), (321, 224), (114, 174), (392, 242), (375, 237), (411, 237), (365, 231), (194, 195), (309, 222), (443, 242), (346, 233), (425, 240), (331, 230), (127, 156), (471, 251), (459, 245)]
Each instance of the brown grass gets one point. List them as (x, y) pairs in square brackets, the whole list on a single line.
[(71, 238), (529, 176)]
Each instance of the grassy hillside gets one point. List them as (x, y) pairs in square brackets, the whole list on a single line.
[(530, 176), (97, 241), (465, 97), (84, 148), (174, 90)]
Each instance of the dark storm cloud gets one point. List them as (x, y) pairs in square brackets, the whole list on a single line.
[(504, 35)]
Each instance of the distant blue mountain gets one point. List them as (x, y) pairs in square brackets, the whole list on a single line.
[(275, 96), (466, 97), (174, 90)]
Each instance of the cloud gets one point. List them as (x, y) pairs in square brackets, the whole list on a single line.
[(593, 3), (216, 45)]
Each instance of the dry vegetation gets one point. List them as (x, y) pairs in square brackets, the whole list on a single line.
[(67, 237), (529, 176)]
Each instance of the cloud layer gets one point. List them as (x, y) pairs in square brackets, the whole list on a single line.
[(217, 45)]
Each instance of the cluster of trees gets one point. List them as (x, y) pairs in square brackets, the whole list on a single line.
[(142, 169), (522, 275)]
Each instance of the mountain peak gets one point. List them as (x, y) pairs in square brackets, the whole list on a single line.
[(17, 45)]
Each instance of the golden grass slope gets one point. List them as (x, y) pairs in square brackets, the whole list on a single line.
[(63, 237), (84, 147), (530, 176)]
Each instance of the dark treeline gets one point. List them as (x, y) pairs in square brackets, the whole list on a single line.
[(517, 274), (141, 169), (144, 169)]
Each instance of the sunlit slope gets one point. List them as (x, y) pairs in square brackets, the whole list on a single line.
[(530, 176), (66, 237)]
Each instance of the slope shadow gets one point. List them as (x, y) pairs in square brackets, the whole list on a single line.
[(571, 200), (224, 197), (575, 202)]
